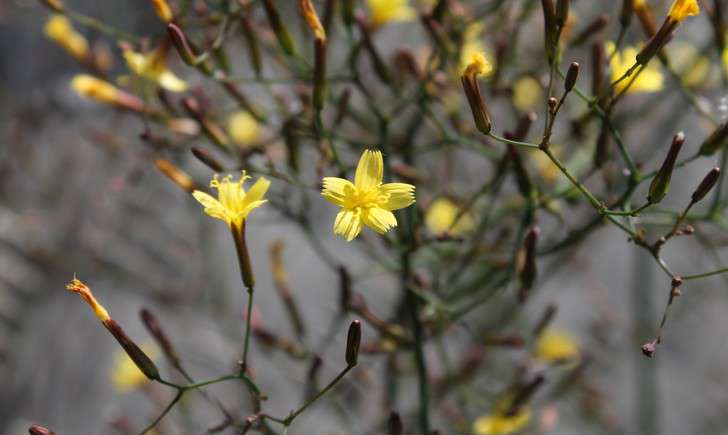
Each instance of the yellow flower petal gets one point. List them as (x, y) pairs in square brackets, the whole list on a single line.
[(60, 30), (527, 93), (213, 207), (441, 215), (386, 11), (399, 195), (243, 128), (336, 189), (555, 346), (233, 204), (171, 82), (379, 219), (682, 9), (369, 171), (348, 224), (649, 80), (257, 191), (499, 424)]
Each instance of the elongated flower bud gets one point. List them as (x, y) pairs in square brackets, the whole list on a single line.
[(562, 12), (207, 159), (319, 73), (716, 141), (353, 341), (164, 12), (142, 361), (179, 40), (54, 5), (706, 185), (211, 130), (39, 430), (60, 30), (661, 183), (394, 424), (152, 325), (550, 29), (625, 16), (279, 29), (469, 78), (528, 272), (312, 19), (177, 175), (571, 75)]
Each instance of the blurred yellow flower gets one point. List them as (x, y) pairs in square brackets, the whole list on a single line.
[(472, 44), (164, 12), (386, 11), (60, 30), (152, 66), (544, 166), (555, 346), (441, 215), (692, 66), (498, 423), (243, 128), (366, 201), (649, 80), (527, 93), (682, 9), (125, 375), (233, 203), (94, 88), (477, 65)]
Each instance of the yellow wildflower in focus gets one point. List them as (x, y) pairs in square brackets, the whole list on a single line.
[(243, 128), (366, 201), (556, 346), (164, 12), (125, 375), (60, 30), (233, 203), (152, 67), (649, 80), (527, 93), (682, 9), (441, 215), (498, 423), (387, 11), (96, 89)]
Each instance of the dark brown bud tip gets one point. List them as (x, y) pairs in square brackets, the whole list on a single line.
[(353, 341), (706, 185), (571, 76), (39, 430), (394, 424), (648, 349)]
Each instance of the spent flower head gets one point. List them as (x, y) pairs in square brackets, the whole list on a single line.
[(366, 201), (233, 203)]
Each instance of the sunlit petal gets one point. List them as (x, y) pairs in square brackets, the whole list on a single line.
[(399, 195), (369, 171), (379, 220), (335, 189), (347, 224)]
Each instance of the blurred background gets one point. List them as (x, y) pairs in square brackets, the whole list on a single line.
[(79, 195)]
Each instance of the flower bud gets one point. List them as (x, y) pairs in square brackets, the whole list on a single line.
[(319, 73), (179, 40), (715, 141), (661, 183), (353, 341), (178, 176), (345, 292), (625, 16), (527, 272), (280, 30), (706, 185), (82, 290), (571, 75), (312, 19), (141, 360), (550, 29), (394, 424), (469, 78), (39, 430), (56, 6), (164, 12), (60, 30), (152, 325), (207, 159), (562, 12)]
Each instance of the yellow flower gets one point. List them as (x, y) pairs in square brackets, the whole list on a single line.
[(96, 89), (649, 80), (441, 215), (164, 12), (386, 11), (60, 30), (477, 65), (682, 9), (556, 346), (233, 203), (498, 423), (243, 128), (472, 44), (366, 201), (527, 93), (152, 67), (691, 65), (125, 375)]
